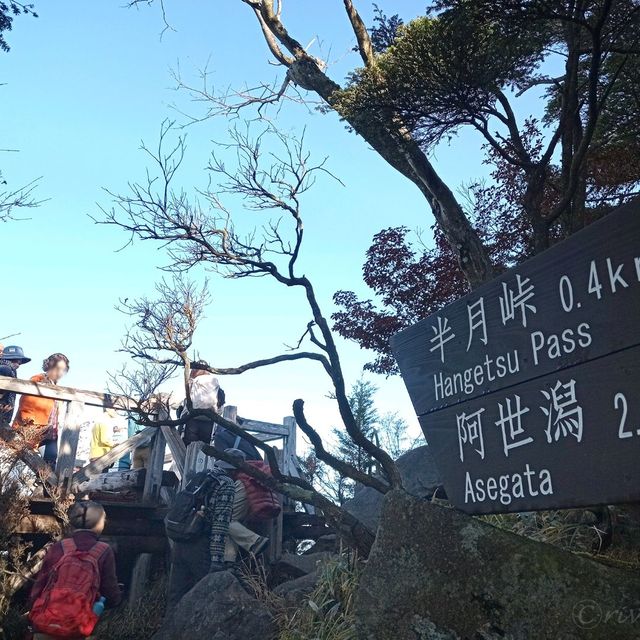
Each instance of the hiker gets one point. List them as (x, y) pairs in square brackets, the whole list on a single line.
[(11, 358), (77, 573), (205, 393), (42, 414), (241, 536), (200, 523), (102, 436)]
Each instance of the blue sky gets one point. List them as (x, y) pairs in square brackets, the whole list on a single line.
[(83, 85)]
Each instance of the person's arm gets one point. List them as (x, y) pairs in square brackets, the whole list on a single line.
[(6, 404), (108, 581)]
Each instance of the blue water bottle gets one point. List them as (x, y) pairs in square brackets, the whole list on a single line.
[(98, 606)]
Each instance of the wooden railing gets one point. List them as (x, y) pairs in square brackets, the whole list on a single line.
[(184, 460), (72, 419)]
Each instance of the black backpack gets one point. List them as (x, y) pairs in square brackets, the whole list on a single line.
[(223, 439), (184, 522)]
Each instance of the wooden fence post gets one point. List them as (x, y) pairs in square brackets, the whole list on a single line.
[(230, 413), (177, 448), (150, 493), (66, 463), (274, 552), (291, 462), (153, 480), (194, 461), (290, 445)]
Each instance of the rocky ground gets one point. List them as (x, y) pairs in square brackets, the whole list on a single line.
[(433, 574)]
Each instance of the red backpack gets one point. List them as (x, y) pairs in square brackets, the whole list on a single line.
[(263, 503), (64, 609)]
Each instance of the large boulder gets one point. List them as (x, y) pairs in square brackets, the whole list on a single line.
[(436, 573), (295, 592), (299, 575), (295, 566), (420, 478), (218, 608)]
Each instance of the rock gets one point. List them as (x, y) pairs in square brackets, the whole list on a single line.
[(218, 608), (436, 573), (295, 591), (420, 478), (296, 566), (328, 543)]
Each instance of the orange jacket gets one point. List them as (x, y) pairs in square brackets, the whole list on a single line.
[(34, 409)]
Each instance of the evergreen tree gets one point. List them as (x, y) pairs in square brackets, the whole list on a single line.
[(388, 430), (362, 405)]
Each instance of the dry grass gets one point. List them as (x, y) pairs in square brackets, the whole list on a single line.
[(326, 614), (135, 623), (577, 531)]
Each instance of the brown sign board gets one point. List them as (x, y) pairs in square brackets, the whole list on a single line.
[(528, 389)]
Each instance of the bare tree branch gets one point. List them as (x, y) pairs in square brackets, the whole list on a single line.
[(12, 200), (339, 465), (272, 43), (350, 528), (195, 236), (362, 35)]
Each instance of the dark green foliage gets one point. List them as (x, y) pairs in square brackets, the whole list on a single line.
[(364, 411), (9, 9), (442, 72), (468, 63), (385, 29)]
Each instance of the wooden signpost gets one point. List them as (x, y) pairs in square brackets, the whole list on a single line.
[(528, 389)]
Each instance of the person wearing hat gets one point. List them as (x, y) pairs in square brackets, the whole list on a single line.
[(240, 536), (11, 358), (223, 505), (87, 520)]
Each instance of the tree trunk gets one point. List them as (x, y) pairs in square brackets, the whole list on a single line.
[(571, 122), (396, 145), (532, 204)]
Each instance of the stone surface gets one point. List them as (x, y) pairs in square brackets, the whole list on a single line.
[(299, 565), (328, 543), (420, 478), (435, 573), (218, 608), (295, 591)]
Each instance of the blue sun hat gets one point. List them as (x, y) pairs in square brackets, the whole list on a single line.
[(14, 352)]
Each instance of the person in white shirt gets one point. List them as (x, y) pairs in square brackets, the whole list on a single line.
[(205, 393)]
